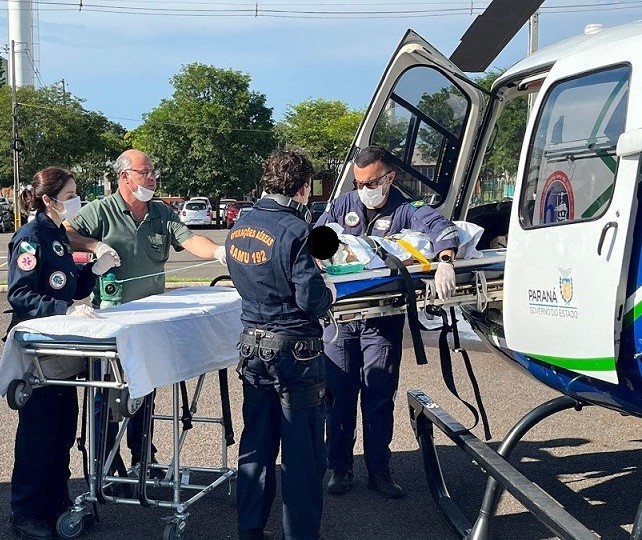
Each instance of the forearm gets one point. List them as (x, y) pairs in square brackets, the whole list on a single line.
[(79, 242), (201, 246)]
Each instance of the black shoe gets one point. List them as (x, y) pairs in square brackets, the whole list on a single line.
[(154, 472), (255, 534), (385, 485), (340, 482), (30, 528)]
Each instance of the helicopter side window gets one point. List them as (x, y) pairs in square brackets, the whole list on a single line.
[(572, 163), (421, 126)]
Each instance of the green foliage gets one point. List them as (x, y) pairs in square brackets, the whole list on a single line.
[(55, 129), (323, 128), (511, 126), (211, 136)]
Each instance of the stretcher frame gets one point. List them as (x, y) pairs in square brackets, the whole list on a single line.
[(479, 282), (101, 484)]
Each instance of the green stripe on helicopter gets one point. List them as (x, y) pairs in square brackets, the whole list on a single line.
[(606, 363)]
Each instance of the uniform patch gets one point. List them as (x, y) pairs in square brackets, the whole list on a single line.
[(58, 248), (418, 204), (57, 280), (26, 262), (352, 219), (251, 246), (28, 247), (382, 224)]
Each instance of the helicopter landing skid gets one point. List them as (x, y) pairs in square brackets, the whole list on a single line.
[(424, 413)]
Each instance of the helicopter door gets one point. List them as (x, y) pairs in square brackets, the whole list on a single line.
[(426, 114), (567, 255)]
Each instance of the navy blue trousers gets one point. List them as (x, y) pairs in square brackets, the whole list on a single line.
[(299, 431), (45, 435), (365, 358)]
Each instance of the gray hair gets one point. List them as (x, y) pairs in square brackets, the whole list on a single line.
[(122, 162)]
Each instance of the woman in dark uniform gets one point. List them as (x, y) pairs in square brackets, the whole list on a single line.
[(44, 281)]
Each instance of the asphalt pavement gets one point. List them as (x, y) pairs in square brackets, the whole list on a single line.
[(587, 460)]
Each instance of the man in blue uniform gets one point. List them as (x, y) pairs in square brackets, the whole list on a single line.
[(282, 364), (366, 355)]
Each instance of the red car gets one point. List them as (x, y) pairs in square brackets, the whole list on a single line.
[(233, 211)]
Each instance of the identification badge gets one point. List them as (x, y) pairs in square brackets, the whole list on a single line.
[(382, 224), (26, 262), (352, 219), (57, 280), (58, 248)]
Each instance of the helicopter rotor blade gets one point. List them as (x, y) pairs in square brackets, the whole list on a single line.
[(490, 32)]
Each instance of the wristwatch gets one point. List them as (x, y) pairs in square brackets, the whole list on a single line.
[(446, 259)]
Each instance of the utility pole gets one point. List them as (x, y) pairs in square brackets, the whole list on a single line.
[(14, 139)]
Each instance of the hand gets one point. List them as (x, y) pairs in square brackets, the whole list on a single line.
[(220, 255), (102, 248), (331, 286), (81, 310), (107, 260), (445, 280)]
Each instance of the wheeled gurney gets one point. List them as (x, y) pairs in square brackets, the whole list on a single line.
[(141, 346)]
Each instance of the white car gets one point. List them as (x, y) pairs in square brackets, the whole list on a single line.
[(196, 213)]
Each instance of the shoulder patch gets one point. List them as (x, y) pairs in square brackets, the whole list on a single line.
[(26, 262), (27, 247), (418, 204)]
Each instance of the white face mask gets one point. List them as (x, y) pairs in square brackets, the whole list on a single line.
[(72, 208), (142, 193), (371, 197)]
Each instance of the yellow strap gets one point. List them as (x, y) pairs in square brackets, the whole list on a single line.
[(415, 253)]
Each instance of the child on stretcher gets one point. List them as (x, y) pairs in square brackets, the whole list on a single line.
[(411, 247)]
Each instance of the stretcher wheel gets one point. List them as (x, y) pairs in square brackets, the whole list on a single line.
[(174, 531), (66, 529), (129, 406), (18, 394)]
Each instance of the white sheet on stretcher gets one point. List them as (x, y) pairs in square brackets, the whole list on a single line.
[(161, 339)]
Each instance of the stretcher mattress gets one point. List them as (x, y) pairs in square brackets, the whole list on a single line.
[(160, 340), (382, 280)]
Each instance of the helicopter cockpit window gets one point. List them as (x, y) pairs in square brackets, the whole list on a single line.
[(422, 125), (572, 162)]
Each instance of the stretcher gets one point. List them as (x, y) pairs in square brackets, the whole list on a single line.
[(384, 291), (157, 341)]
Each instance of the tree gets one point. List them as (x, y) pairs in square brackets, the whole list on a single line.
[(323, 128), (511, 126), (54, 129), (211, 136)]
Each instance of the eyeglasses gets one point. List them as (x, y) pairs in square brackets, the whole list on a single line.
[(150, 173), (370, 184)]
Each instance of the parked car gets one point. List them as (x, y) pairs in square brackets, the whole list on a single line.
[(233, 210), (5, 204), (6, 220), (223, 207), (317, 208), (244, 210), (196, 213)]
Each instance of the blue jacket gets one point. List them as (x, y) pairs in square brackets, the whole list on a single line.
[(273, 271), (398, 213), (43, 278)]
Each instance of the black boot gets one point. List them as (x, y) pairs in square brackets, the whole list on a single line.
[(30, 528)]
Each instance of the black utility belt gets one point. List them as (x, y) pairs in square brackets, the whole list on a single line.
[(267, 344)]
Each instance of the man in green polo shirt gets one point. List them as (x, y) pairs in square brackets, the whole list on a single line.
[(141, 232)]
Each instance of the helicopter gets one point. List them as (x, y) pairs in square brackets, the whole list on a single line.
[(569, 304)]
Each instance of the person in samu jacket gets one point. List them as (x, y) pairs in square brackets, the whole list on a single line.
[(43, 281), (366, 356), (282, 364)]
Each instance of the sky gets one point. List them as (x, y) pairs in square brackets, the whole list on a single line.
[(119, 55)]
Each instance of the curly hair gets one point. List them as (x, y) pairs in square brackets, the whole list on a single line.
[(49, 181), (286, 172)]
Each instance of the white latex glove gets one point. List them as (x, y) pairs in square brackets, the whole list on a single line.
[(81, 310), (107, 260), (445, 280), (102, 248), (220, 255), (331, 287)]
